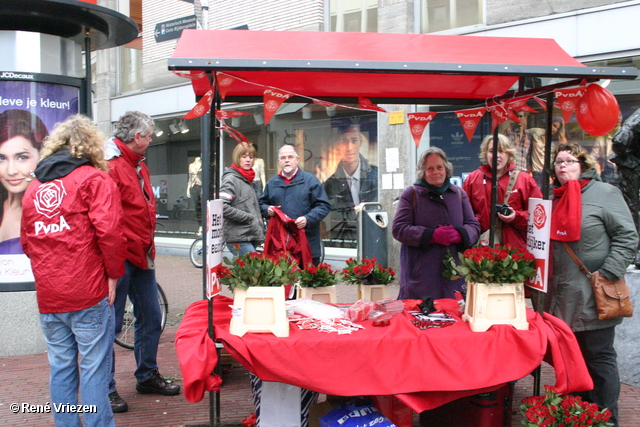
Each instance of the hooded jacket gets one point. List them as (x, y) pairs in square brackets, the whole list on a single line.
[(131, 175), (478, 188), (72, 232), (608, 244)]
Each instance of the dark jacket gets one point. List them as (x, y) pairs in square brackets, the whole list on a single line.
[(420, 211), (478, 188), (242, 217), (303, 196), (72, 232), (342, 219), (608, 244)]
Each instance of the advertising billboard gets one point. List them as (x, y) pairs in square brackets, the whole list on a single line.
[(28, 112)]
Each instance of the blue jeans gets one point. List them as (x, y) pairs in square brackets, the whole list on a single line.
[(142, 288), (244, 247), (87, 332)]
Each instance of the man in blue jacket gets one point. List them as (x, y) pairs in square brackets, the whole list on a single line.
[(298, 194)]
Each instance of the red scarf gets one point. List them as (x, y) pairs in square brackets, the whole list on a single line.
[(288, 180), (249, 175), (566, 219)]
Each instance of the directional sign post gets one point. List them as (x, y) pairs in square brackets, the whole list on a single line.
[(170, 30)]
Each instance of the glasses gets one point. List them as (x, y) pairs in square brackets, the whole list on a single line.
[(568, 162), (290, 157)]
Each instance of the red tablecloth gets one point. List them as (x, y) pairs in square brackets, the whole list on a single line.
[(425, 368)]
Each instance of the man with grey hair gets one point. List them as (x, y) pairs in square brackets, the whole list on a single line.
[(125, 153)]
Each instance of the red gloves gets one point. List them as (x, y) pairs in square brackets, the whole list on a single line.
[(446, 235)]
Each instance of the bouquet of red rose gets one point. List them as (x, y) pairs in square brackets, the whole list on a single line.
[(317, 277), (555, 410), (367, 272), (255, 269), (498, 264)]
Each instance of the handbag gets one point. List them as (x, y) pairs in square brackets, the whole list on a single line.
[(613, 298)]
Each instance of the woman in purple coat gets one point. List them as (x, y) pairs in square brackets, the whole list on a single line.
[(433, 217)]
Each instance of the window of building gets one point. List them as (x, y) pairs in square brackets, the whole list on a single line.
[(130, 69), (440, 15), (354, 15)]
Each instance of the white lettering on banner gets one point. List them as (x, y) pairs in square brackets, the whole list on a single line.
[(478, 114), (156, 192), (47, 103), (277, 94), (52, 228), (10, 75)]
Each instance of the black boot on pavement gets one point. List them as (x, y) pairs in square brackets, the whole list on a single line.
[(157, 384), (118, 404)]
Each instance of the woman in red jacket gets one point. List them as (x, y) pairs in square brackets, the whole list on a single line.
[(513, 226), (72, 232)]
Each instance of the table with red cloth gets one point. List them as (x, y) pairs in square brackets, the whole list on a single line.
[(423, 368)]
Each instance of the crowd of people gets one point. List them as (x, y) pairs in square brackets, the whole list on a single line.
[(96, 202)]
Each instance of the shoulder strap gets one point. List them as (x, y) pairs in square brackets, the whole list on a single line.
[(584, 269), (512, 182)]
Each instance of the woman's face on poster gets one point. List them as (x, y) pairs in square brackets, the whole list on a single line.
[(18, 159)]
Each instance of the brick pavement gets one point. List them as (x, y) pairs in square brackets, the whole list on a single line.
[(25, 378)]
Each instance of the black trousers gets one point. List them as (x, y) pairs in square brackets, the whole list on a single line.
[(600, 357)]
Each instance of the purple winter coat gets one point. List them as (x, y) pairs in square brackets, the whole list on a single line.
[(421, 261)]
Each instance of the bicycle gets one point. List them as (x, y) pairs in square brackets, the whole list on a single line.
[(181, 208), (126, 337), (196, 253)]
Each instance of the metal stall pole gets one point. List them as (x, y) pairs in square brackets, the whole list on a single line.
[(494, 187), (85, 88)]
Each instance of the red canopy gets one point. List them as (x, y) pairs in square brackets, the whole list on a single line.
[(385, 67)]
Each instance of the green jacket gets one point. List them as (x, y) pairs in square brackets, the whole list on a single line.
[(608, 244)]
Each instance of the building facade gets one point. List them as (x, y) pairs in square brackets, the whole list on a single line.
[(596, 32)]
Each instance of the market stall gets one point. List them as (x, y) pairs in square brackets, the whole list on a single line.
[(361, 70)]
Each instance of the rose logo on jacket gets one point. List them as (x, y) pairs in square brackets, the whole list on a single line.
[(47, 202), (49, 197)]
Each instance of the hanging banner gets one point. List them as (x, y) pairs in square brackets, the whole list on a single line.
[(520, 104), (500, 113), (538, 241), (224, 82), (366, 104), (469, 120), (418, 122), (227, 114), (273, 98), (202, 107), (568, 99), (214, 246)]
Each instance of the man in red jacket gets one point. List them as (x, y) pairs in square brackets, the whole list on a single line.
[(125, 153)]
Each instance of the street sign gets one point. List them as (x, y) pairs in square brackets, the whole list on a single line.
[(170, 30)]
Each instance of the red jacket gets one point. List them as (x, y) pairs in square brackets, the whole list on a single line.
[(478, 188), (72, 232), (285, 238), (139, 205)]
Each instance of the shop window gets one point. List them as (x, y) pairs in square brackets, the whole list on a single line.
[(440, 15)]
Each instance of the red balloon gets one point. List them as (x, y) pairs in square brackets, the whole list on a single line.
[(597, 110)]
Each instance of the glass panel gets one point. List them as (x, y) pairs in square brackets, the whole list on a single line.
[(130, 73), (347, 15)]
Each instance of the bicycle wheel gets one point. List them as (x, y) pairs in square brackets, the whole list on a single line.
[(196, 253), (126, 337), (182, 213)]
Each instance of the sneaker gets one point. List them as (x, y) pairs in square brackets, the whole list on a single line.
[(118, 404), (157, 384)]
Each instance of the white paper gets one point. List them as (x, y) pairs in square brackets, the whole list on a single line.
[(392, 159), (398, 181), (387, 181)]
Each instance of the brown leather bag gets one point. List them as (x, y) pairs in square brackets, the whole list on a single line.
[(613, 298)]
